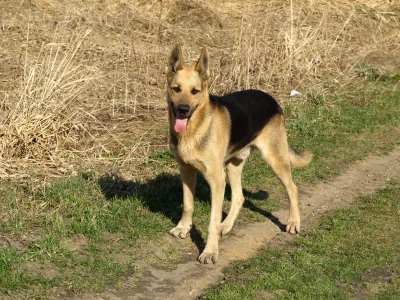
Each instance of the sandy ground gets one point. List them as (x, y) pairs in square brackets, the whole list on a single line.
[(190, 279)]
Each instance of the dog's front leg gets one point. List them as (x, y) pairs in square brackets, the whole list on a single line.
[(188, 177), (217, 186)]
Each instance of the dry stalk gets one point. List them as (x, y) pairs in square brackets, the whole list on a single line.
[(270, 45), (47, 116)]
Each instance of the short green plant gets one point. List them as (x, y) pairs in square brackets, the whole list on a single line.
[(352, 253), (90, 231)]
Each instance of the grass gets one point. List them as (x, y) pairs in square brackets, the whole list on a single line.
[(85, 82), (353, 253), (46, 116), (365, 118), (85, 233), (82, 85)]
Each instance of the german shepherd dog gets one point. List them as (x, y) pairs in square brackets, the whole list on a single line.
[(208, 131)]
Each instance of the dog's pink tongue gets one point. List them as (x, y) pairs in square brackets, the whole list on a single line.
[(180, 124)]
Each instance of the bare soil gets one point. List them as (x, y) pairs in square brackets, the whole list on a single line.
[(189, 279), (268, 45)]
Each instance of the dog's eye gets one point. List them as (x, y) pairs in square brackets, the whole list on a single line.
[(194, 92), (176, 89)]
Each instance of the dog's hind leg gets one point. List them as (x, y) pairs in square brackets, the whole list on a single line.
[(275, 150), (281, 167), (188, 177)]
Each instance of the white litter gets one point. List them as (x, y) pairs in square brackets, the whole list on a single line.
[(294, 93)]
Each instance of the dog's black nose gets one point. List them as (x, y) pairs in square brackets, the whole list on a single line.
[(183, 109)]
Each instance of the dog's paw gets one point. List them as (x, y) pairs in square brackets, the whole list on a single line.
[(293, 226), (208, 257), (180, 231), (225, 228)]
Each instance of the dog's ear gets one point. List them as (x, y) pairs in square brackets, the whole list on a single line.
[(175, 61), (202, 64)]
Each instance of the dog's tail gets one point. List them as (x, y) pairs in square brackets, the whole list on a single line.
[(299, 160)]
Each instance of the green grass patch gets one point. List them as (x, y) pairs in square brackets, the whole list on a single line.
[(353, 253), (373, 74), (367, 119), (91, 231)]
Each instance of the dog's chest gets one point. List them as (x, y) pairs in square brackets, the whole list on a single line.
[(188, 152)]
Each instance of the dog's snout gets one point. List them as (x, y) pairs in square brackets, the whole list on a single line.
[(183, 109)]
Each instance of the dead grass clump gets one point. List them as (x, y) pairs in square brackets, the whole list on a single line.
[(118, 119), (299, 44), (194, 24), (192, 14), (48, 114)]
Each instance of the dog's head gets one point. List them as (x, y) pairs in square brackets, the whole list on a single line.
[(187, 88)]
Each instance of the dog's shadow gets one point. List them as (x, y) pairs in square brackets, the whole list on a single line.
[(163, 195)]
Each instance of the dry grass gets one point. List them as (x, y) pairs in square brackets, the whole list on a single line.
[(86, 80), (47, 114)]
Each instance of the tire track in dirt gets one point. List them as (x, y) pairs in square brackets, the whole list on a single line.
[(190, 278)]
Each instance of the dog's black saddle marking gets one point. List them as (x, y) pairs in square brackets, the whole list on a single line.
[(250, 111)]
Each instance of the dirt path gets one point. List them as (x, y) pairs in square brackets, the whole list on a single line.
[(190, 278)]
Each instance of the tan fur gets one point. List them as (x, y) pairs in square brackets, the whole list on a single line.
[(209, 158)]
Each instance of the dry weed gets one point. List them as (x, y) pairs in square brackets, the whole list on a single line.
[(48, 114), (100, 96)]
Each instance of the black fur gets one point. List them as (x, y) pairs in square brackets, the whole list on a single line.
[(173, 138), (250, 111)]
